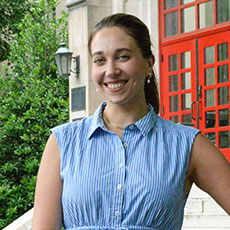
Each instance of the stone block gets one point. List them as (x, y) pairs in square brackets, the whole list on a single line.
[(207, 221), (194, 206)]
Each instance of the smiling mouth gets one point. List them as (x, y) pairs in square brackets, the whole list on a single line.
[(116, 85)]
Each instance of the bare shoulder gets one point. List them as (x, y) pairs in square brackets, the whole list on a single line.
[(210, 171), (47, 206)]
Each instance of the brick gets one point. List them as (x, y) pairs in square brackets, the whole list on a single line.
[(197, 193), (210, 206), (193, 206), (207, 221)]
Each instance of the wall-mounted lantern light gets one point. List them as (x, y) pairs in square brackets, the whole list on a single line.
[(63, 58)]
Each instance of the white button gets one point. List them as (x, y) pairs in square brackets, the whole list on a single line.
[(125, 145), (119, 186), (131, 126), (116, 213), (120, 165)]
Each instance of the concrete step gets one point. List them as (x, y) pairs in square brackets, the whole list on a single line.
[(204, 221)]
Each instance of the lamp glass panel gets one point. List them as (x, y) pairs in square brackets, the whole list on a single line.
[(64, 65), (58, 62)]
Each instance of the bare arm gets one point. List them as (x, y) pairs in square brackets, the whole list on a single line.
[(211, 171), (47, 207)]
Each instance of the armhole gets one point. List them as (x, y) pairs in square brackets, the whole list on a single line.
[(194, 135), (55, 134), (188, 159)]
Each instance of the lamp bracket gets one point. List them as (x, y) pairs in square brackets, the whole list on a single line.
[(77, 67)]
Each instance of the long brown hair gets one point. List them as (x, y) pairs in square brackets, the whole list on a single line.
[(140, 33)]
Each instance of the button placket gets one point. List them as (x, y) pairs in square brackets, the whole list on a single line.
[(119, 181)]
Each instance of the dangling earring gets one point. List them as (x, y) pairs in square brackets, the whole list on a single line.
[(97, 89), (149, 77)]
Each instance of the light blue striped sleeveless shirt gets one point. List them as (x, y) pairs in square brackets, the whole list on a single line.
[(134, 183)]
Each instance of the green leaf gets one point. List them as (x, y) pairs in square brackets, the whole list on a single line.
[(33, 99)]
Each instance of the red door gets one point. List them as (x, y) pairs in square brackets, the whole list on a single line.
[(194, 86), (178, 82), (214, 62)]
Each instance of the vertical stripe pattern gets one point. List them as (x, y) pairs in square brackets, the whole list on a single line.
[(134, 183)]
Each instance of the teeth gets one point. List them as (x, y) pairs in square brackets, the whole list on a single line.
[(115, 86)]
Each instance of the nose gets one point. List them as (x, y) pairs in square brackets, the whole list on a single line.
[(112, 70)]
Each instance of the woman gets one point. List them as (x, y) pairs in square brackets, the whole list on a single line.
[(125, 167)]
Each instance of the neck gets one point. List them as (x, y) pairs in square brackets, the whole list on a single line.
[(119, 116)]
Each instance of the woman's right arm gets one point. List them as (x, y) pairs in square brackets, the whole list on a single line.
[(47, 207)]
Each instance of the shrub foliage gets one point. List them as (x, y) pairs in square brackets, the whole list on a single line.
[(33, 99), (11, 13)]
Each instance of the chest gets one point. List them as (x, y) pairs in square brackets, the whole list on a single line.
[(134, 168)]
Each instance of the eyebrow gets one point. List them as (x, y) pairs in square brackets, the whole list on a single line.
[(116, 51)]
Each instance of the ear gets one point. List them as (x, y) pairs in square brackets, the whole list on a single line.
[(151, 61)]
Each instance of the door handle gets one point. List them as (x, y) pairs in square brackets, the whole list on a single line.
[(192, 110), (199, 110)]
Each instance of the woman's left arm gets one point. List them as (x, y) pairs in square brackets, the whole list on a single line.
[(211, 171)]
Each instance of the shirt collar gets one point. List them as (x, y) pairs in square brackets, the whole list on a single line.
[(145, 124), (97, 120)]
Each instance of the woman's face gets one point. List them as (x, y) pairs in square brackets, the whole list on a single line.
[(118, 67)]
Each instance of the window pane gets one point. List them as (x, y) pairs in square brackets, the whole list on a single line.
[(224, 117), (209, 54), (173, 62), (186, 101), (188, 21), (223, 11), (223, 95), (210, 119), (224, 139), (174, 86), (174, 103), (211, 137), (210, 98), (187, 118), (186, 80), (206, 14), (170, 4), (186, 60), (223, 52), (186, 1), (174, 119), (222, 73), (210, 76), (171, 24)]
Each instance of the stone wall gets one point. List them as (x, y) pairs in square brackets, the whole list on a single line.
[(202, 213)]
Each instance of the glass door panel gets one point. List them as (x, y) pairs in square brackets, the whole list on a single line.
[(214, 61), (188, 20), (206, 14), (170, 4), (223, 11), (171, 22), (178, 83)]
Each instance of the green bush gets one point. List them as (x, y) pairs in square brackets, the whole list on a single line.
[(11, 14), (33, 99)]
